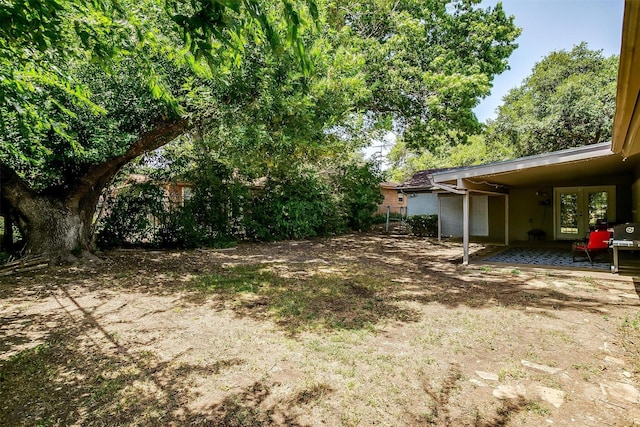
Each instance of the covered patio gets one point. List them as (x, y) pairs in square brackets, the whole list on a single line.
[(550, 198)]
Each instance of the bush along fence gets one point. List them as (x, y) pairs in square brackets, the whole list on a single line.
[(217, 214), (423, 225)]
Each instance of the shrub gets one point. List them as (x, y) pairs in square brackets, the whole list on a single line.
[(294, 206), (423, 225), (358, 189), (132, 217)]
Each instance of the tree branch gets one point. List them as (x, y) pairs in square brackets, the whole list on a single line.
[(13, 189), (97, 176)]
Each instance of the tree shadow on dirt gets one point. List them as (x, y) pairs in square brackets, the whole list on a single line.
[(70, 379), (297, 300), (346, 283), (442, 399)]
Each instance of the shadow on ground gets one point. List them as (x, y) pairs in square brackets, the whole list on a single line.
[(76, 378)]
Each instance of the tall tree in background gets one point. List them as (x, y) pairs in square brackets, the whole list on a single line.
[(427, 63), (406, 162), (567, 101)]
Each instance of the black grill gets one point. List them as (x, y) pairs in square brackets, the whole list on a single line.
[(627, 232)]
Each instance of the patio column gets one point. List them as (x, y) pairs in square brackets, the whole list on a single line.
[(465, 228), (439, 217)]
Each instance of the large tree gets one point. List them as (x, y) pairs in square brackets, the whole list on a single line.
[(91, 85), (421, 65), (567, 101)]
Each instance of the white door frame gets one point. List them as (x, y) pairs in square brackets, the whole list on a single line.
[(583, 206)]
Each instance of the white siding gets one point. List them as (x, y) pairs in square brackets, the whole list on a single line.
[(452, 216), (479, 217), (422, 204)]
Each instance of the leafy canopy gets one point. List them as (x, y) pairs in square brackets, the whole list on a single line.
[(567, 101), (81, 81)]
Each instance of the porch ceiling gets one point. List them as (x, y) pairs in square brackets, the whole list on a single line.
[(531, 175)]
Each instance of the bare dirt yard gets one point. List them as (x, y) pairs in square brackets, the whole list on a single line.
[(357, 330)]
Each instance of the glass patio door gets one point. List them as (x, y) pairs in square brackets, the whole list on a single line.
[(578, 209)]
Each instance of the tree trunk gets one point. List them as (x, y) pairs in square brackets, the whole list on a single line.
[(7, 237), (57, 223), (55, 228)]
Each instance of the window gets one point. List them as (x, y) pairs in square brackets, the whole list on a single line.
[(186, 194), (400, 197)]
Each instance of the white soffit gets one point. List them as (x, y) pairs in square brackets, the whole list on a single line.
[(564, 164)]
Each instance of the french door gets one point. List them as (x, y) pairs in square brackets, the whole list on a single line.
[(577, 209)]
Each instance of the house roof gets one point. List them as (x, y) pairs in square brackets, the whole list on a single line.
[(389, 185), (420, 181), (626, 122), (547, 168)]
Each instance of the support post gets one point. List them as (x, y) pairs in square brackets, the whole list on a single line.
[(439, 218), (465, 228), (388, 214)]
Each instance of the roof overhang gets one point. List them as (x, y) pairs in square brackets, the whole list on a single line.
[(626, 122), (550, 169)]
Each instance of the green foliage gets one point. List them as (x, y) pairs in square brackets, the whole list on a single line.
[(428, 63), (359, 190), (567, 101), (295, 206), (132, 217), (405, 162), (213, 215), (423, 225)]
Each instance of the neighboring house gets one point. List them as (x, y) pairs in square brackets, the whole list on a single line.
[(419, 195), (177, 192), (394, 201)]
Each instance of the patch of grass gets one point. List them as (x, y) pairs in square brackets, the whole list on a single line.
[(299, 299), (562, 336), (587, 370), (537, 409), (514, 372), (630, 339), (238, 279)]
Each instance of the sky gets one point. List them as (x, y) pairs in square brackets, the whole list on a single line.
[(551, 25)]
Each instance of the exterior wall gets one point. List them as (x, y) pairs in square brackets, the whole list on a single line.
[(391, 199), (452, 220), (451, 216), (175, 193), (421, 204), (526, 210), (526, 213), (496, 218)]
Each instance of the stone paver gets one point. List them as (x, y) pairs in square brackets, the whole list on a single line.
[(551, 395), (514, 391), (621, 391), (488, 376), (543, 368)]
